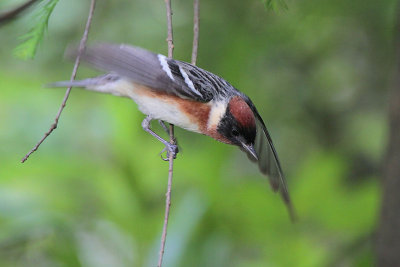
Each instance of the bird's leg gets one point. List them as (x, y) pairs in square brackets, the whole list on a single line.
[(166, 129), (164, 126), (171, 148)]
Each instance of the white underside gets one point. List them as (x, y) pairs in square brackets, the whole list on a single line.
[(164, 110), (156, 108)]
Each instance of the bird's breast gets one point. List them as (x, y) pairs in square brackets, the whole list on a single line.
[(188, 114), (185, 113)]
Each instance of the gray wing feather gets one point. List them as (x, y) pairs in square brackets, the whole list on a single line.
[(268, 161), (147, 68), (269, 164)]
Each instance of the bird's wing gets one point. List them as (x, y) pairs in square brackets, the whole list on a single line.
[(153, 70), (268, 161), (269, 164)]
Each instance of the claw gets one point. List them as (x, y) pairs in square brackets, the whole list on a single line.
[(164, 159), (170, 148), (161, 154), (174, 150)]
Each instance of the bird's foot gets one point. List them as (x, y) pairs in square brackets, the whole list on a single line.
[(169, 148)]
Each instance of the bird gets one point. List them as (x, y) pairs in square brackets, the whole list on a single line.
[(184, 95)]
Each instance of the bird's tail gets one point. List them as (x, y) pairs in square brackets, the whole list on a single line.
[(81, 83), (102, 83)]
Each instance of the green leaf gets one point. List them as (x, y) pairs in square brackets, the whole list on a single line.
[(275, 5), (31, 40)]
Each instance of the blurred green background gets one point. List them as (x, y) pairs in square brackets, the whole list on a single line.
[(93, 194)]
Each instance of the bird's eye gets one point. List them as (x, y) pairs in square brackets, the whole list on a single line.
[(235, 132)]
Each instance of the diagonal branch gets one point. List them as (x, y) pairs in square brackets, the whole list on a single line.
[(82, 46)]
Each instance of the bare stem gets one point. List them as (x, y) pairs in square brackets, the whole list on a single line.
[(196, 18), (170, 43), (171, 126), (82, 46), (170, 38)]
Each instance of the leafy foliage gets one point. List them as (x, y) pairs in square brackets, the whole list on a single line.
[(276, 5), (27, 49)]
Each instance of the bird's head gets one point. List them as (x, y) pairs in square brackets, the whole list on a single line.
[(238, 125)]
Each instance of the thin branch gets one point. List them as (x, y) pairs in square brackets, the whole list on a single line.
[(14, 13), (196, 18), (82, 46), (170, 43), (172, 138), (170, 39)]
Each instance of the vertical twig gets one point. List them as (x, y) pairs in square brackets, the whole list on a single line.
[(170, 43), (196, 18), (82, 46), (170, 39), (172, 138)]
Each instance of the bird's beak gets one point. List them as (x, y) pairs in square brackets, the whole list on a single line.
[(250, 149)]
